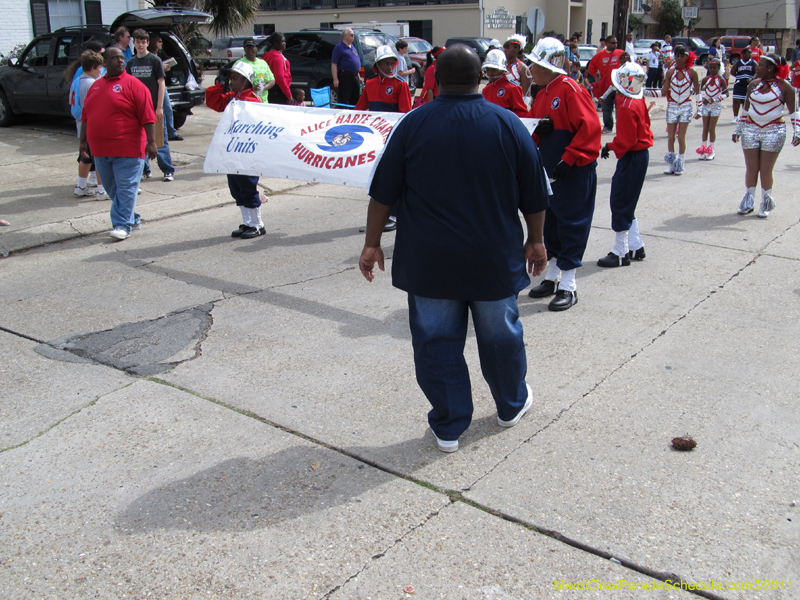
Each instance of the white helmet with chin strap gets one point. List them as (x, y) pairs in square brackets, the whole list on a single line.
[(550, 54), (383, 52), (245, 70), (495, 59), (629, 80)]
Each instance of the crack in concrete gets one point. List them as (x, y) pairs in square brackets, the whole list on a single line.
[(424, 521)]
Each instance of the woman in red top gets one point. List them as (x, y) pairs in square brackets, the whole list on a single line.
[(430, 90), (281, 93), (244, 188)]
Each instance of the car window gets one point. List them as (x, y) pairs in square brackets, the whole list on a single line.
[(369, 44), (305, 45), (39, 54), (741, 43), (237, 42), (419, 46), (483, 44), (698, 41), (221, 43), (63, 49), (586, 53)]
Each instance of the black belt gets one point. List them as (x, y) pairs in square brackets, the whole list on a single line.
[(348, 72)]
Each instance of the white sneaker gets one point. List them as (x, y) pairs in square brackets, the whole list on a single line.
[(118, 234), (767, 204), (679, 167), (734, 120), (169, 177), (101, 196), (710, 155), (83, 191), (747, 204), (526, 408), (92, 179), (446, 446)]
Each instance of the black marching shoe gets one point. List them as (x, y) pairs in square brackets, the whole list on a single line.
[(637, 255), (544, 289), (252, 232), (564, 299), (238, 232), (612, 260)]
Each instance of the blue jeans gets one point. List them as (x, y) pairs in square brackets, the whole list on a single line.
[(164, 159), (438, 334), (169, 123), (120, 176)]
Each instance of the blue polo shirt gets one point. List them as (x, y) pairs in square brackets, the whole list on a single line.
[(461, 169), (346, 59)]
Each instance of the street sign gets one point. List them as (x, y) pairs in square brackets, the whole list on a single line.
[(535, 21)]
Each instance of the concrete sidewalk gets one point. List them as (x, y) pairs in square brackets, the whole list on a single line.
[(186, 415)]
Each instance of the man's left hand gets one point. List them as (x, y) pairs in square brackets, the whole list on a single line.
[(561, 171), (160, 113), (370, 256), (152, 150), (536, 255)]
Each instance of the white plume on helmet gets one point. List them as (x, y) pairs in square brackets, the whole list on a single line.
[(495, 59), (550, 54), (521, 39), (244, 69), (629, 80), (384, 51)]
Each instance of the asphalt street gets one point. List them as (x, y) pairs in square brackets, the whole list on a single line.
[(187, 415)]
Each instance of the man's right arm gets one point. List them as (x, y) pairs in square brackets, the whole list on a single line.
[(535, 252)]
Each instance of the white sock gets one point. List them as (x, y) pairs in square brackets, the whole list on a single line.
[(256, 217), (711, 145), (101, 189), (568, 281), (681, 156), (634, 239), (81, 182), (752, 191), (553, 272), (621, 243), (245, 216), (92, 178), (765, 193)]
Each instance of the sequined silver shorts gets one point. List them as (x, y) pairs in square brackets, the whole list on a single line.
[(711, 110), (679, 113), (769, 138)]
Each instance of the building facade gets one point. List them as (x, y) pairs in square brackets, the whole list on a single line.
[(438, 20), (23, 20)]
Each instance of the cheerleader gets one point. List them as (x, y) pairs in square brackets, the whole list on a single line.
[(713, 89), (743, 70), (518, 72), (763, 130), (680, 83)]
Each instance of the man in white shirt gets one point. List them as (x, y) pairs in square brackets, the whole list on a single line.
[(653, 66), (629, 47)]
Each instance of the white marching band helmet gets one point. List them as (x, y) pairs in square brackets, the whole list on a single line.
[(495, 59), (520, 39), (550, 54), (244, 69), (384, 51), (629, 80)]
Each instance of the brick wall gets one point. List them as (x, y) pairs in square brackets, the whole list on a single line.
[(16, 26)]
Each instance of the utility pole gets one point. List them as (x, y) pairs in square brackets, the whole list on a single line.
[(619, 22)]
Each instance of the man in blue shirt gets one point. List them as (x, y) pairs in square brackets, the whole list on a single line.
[(461, 249), (345, 66)]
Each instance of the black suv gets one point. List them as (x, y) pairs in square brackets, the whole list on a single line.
[(479, 46), (35, 84), (309, 52)]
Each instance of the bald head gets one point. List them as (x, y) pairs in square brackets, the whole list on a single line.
[(458, 70)]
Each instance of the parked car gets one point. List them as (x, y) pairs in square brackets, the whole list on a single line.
[(202, 53), (696, 45), (734, 44), (226, 49), (309, 53), (585, 53), (478, 45), (642, 46), (417, 55), (35, 84)]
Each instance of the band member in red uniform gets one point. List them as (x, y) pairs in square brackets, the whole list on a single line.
[(569, 143), (243, 188), (630, 145), (600, 67), (500, 90), (384, 93), (429, 88)]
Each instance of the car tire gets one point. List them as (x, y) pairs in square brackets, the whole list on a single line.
[(179, 119), (6, 114)]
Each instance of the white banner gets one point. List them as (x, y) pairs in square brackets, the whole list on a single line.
[(308, 144)]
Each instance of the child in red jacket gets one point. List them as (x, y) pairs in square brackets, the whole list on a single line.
[(631, 144), (385, 93), (500, 90), (244, 188)]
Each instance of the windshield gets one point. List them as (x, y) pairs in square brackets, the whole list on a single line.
[(698, 41), (369, 44), (586, 53), (484, 44), (419, 47), (643, 43)]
